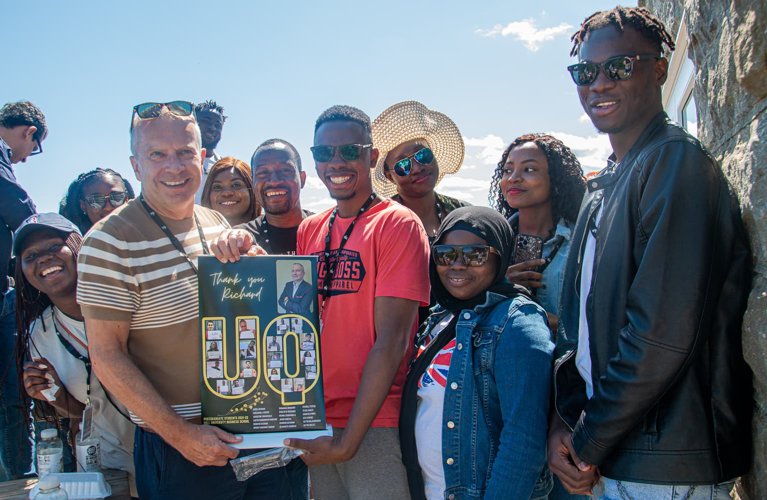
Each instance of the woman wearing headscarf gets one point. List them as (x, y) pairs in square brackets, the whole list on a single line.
[(52, 346), (476, 400)]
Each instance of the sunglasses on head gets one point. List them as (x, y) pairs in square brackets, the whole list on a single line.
[(348, 152), (98, 201), (470, 255), (615, 68), (148, 110), (424, 156)]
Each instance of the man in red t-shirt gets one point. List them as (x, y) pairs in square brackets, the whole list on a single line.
[(372, 276)]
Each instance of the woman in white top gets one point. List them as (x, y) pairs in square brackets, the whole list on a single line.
[(52, 344)]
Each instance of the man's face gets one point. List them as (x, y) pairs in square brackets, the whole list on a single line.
[(622, 107), (297, 273), (168, 163), (277, 182), (210, 127), (23, 142), (345, 180)]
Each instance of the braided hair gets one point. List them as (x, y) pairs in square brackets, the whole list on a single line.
[(566, 182), (30, 304), (620, 17), (69, 206)]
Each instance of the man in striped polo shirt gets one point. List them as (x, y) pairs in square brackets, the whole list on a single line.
[(138, 292)]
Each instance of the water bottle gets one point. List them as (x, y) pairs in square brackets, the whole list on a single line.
[(50, 489), (88, 452), (50, 452)]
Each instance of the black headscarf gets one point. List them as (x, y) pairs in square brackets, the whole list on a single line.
[(492, 227)]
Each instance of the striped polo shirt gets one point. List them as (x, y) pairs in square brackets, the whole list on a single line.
[(128, 270)]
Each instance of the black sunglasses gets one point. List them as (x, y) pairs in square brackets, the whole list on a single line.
[(98, 201), (470, 255), (615, 68), (348, 152), (424, 156), (148, 110)]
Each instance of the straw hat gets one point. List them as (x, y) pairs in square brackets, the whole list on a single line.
[(411, 120)]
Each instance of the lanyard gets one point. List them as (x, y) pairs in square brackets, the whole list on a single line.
[(74, 352), (330, 267), (172, 237)]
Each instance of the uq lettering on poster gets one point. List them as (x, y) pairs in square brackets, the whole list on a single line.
[(260, 348)]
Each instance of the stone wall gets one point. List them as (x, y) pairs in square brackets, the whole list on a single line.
[(728, 44)]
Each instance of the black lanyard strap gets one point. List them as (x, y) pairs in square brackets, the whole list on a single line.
[(172, 237), (74, 352), (330, 268)]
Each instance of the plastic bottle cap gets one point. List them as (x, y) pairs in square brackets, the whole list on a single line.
[(49, 482), (49, 433)]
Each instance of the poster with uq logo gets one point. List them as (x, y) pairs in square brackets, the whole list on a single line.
[(259, 333)]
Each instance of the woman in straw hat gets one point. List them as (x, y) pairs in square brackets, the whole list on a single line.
[(417, 147), (538, 185)]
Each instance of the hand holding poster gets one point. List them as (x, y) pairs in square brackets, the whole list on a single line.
[(261, 364)]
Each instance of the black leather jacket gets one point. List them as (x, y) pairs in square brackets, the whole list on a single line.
[(672, 394)]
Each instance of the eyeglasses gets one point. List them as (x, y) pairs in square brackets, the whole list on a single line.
[(424, 156), (348, 152), (98, 201), (148, 110), (470, 255), (38, 148), (615, 68)]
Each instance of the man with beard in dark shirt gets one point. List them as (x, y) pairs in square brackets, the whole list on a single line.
[(277, 183)]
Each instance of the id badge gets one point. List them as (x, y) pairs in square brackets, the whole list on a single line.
[(87, 422)]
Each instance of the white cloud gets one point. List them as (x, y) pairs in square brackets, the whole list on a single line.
[(527, 32), (592, 151), (491, 148), (584, 118)]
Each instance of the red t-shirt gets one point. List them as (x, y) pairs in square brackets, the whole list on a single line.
[(387, 255)]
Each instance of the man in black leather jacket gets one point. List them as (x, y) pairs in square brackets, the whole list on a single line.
[(652, 392)]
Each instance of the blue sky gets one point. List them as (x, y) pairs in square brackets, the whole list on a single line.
[(496, 68)]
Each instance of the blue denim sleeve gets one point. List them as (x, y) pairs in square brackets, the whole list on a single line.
[(522, 366)]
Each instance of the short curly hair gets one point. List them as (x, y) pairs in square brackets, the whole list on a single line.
[(638, 18), (18, 113), (565, 178), (210, 106), (341, 113)]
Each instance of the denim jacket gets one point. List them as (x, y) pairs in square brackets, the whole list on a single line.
[(497, 400)]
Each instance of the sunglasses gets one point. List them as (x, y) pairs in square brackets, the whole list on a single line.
[(148, 110), (348, 152), (98, 201), (423, 156), (615, 68), (470, 255)]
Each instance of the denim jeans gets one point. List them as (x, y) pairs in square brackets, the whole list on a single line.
[(15, 437), (612, 489), (162, 473)]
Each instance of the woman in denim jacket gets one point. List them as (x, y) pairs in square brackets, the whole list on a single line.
[(476, 400), (538, 185)]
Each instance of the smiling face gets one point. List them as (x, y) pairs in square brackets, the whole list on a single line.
[(297, 272), (229, 195), (622, 109), (422, 178), (525, 181), (349, 182), (277, 181), (461, 281), (168, 163), (103, 185), (211, 125), (49, 265)]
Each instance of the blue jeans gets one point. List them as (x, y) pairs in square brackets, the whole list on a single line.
[(612, 489), (163, 473), (15, 436)]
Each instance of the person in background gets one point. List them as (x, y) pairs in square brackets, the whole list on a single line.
[(277, 182), (417, 148), (52, 347), (486, 336), (93, 196), (22, 132), (210, 118), (538, 186), (229, 191)]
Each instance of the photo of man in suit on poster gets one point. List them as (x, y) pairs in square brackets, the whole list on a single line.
[(297, 296)]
